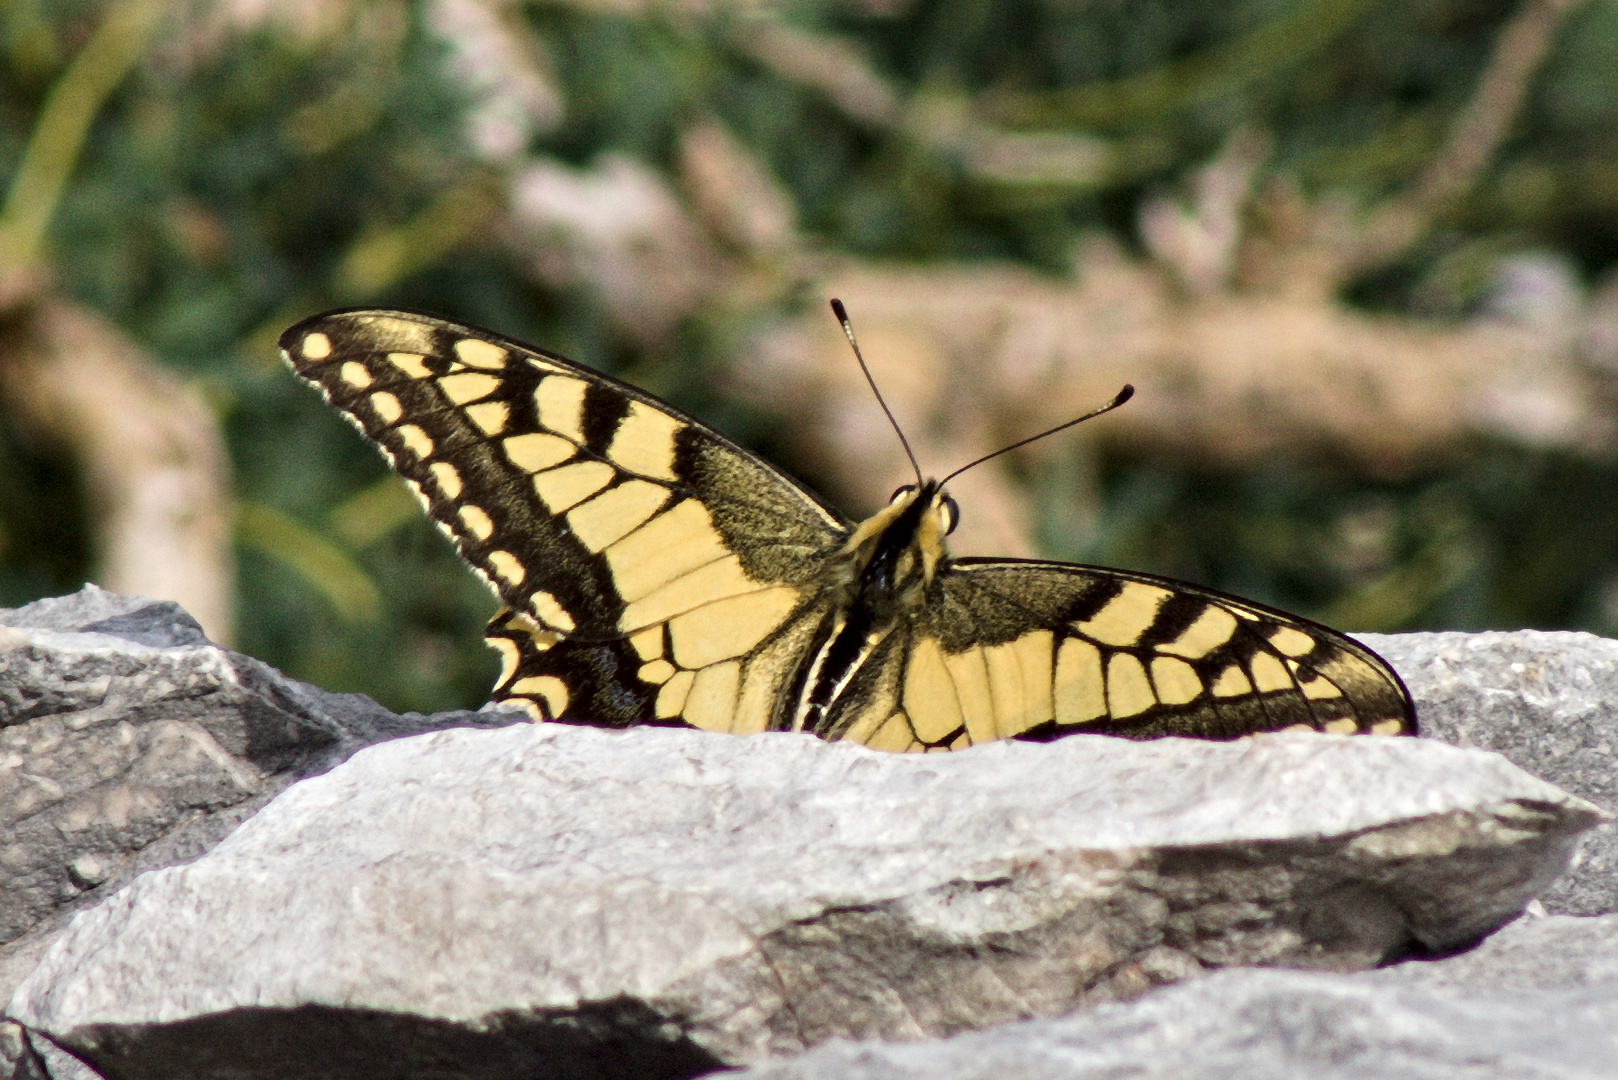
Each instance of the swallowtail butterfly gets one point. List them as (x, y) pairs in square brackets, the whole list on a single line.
[(654, 572)]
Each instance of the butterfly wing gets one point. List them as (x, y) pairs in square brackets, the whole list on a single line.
[(1013, 648), (601, 517), (654, 572)]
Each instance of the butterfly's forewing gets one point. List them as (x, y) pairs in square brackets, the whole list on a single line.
[(1036, 650), (598, 514)]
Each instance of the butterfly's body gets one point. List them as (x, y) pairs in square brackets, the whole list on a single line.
[(654, 572), (879, 580)]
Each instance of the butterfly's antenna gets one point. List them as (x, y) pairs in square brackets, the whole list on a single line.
[(1123, 395), (848, 330)]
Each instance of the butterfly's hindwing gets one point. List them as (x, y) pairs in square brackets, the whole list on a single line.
[(1015, 649), (654, 572), (641, 679)]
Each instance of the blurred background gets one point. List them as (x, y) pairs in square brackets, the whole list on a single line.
[(1357, 256)]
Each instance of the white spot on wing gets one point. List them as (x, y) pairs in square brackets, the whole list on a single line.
[(411, 364), (468, 386), (1129, 693), (711, 705), (549, 688), (1080, 692), (730, 627), (1269, 674), (679, 540), (537, 450), (387, 407), (550, 611), (475, 352), (1291, 641), (448, 479), (505, 565), (477, 523), (1210, 630), (615, 512), (417, 441), (1175, 681), (570, 485)]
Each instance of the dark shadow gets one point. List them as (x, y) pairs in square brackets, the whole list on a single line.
[(612, 1040)]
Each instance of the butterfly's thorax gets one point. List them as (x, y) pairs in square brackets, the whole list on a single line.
[(881, 577)]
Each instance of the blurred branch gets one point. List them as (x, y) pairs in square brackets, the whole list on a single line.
[(948, 124), (990, 353), (621, 228), (1474, 138), (835, 67), (1200, 241), (64, 123), (385, 256), (326, 122), (321, 564), (734, 195), (1152, 95), (152, 454)]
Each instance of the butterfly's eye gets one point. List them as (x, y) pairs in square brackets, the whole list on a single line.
[(952, 514), (900, 492)]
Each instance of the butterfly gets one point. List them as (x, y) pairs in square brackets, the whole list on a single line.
[(652, 571)]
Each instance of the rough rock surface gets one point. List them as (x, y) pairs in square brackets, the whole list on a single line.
[(662, 903), (1539, 999), (1545, 700), (1556, 953), (129, 742), (657, 902)]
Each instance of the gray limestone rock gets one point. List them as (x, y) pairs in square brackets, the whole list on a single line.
[(1545, 700), (128, 741), (558, 901), (1261, 1024), (18, 1058), (1555, 953), (1537, 999)]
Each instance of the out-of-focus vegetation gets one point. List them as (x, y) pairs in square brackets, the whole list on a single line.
[(1358, 255)]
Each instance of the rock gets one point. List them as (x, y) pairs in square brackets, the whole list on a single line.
[(1542, 699), (1538, 999), (1555, 953), (128, 742), (1261, 1024), (651, 903), (555, 901), (18, 1059)]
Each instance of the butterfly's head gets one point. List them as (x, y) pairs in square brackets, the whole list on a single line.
[(897, 550), (936, 511)]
